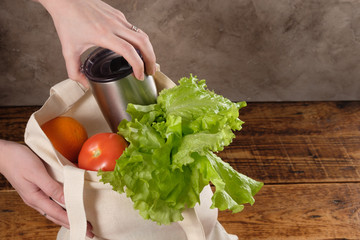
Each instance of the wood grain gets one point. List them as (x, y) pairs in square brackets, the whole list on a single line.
[(289, 211), (13, 121), (299, 211), (306, 153), (298, 142), (20, 222)]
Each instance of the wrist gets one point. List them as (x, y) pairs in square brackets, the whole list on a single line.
[(45, 3), (52, 5)]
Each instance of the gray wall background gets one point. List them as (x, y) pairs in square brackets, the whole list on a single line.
[(253, 50)]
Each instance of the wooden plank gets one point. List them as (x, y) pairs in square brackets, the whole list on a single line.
[(289, 211), (287, 159), (301, 118), (280, 142), (13, 121), (298, 142), (20, 222), (299, 211)]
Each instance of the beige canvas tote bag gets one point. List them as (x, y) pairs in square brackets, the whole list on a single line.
[(87, 199)]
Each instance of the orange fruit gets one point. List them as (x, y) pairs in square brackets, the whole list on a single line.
[(67, 136)]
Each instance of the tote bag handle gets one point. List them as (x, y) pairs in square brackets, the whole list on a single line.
[(192, 225), (74, 201)]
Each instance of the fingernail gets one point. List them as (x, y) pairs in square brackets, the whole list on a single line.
[(90, 234), (89, 226), (142, 76), (89, 230), (62, 199)]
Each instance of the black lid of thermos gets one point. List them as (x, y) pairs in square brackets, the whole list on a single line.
[(104, 65)]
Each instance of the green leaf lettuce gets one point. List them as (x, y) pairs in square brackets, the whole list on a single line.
[(171, 158)]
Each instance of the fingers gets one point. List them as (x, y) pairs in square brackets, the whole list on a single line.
[(142, 42), (126, 50), (73, 65), (125, 46), (44, 189), (43, 204), (41, 200), (52, 211), (139, 39), (50, 187)]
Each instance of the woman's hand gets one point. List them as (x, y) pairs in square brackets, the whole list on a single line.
[(28, 175), (82, 24)]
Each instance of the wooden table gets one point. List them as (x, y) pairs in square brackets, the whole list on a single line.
[(306, 153)]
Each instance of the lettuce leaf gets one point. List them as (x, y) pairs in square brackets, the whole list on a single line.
[(171, 156)]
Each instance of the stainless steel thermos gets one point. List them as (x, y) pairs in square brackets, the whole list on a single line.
[(114, 85)]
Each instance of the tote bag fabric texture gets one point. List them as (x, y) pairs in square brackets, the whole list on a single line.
[(87, 199)]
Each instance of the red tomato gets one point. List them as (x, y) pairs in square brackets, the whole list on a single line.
[(101, 151)]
